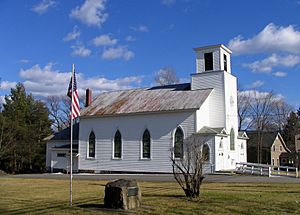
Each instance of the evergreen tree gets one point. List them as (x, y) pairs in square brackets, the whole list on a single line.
[(27, 118), (291, 129)]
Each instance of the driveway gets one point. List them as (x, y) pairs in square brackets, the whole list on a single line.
[(220, 178)]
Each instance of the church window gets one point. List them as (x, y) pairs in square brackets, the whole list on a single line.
[(225, 62), (91, 146), (242, 145), (208, 61), (205, 153), (178, 143), (118, 145), (232, 139), (221, 143), (146, 144)]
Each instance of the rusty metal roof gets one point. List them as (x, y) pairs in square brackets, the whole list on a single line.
[(156, 99)]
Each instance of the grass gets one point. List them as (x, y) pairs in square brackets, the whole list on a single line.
[(45, 196)]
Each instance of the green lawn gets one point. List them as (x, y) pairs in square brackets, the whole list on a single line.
[(42, 196)]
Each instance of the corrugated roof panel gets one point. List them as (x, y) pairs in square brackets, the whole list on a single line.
[(146, 100)]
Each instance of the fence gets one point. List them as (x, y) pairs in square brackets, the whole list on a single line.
[(266, 170)]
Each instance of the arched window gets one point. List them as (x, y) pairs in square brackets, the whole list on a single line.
[(232, 141), (117, 145), (206, 154), (146, 144), (91, 147), (178, 143), (242, 145)]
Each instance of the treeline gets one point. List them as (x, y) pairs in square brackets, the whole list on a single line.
[(24, 123)]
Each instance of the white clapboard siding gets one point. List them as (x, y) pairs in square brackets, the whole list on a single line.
[(216, 108), (200, 65), (230, 89), (161, 127)]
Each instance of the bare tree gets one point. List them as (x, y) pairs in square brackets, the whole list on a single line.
[(281, 114), (188, 170), (262, 111), (165, 76), (59, 108), (243, 102)]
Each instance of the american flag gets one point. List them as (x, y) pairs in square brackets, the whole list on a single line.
[(75, 108)]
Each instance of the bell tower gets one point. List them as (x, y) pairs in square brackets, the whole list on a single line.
[(213, 58), (213, 70)]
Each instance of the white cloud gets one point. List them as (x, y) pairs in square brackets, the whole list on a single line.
[(2, 100), (43, 6), (255, 84), (91, 12), (6, 85), (252, 94), (266, 65), (46, 81), (168, 2), (24, 61), (279, 74), (271, 39), (104, 40), (80, 50), (73, 35), (129, 38), (117, 52), (140, 28)]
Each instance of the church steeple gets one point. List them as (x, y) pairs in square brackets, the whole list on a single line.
[(213, 58)]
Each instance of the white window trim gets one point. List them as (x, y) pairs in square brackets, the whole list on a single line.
[(173, 141), (87, 147), (113, 146), (141, 146), (209, 151)]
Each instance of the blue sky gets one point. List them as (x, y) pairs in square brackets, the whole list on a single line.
[(117, 44)]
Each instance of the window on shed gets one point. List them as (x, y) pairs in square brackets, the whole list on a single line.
[(205, 153), (118, 145), (225, 62), (208, 61), (178, 143), (91, 152), (232, 139), (61, 155), (146, 144)]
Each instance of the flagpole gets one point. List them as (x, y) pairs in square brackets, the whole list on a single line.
[(71, 148)]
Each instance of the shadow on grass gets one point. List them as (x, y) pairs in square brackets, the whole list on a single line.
[(92, 206), (163, 195), (101, 207)]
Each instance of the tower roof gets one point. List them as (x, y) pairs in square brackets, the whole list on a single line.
[(213, 47)]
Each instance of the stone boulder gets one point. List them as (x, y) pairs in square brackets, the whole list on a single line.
[(123, 194)]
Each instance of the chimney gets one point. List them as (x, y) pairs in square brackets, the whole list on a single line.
[(88, 97)]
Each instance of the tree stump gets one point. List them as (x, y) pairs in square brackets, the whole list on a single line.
[(123, 194)]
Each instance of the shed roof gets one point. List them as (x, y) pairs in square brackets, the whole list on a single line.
[(65, 134), (177, 97)]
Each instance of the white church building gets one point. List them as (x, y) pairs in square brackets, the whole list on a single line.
[(136, 130)]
